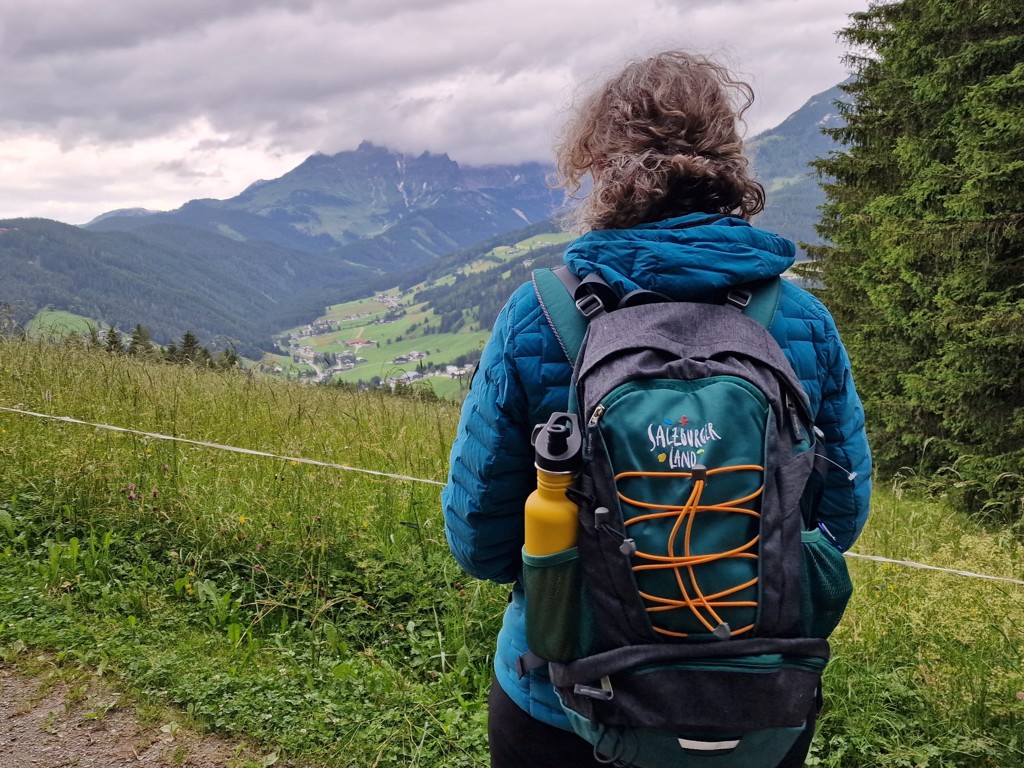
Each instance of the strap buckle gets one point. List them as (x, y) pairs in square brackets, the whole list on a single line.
[(589, 305), (739, 297)]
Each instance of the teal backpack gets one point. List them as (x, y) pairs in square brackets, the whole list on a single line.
[(687, 628)]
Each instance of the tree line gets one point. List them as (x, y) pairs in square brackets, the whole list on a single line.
[(923, 265), (187, 350)]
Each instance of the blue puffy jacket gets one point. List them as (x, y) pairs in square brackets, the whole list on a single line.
[(524, 376)]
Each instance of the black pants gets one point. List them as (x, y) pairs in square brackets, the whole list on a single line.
[(519, 741)]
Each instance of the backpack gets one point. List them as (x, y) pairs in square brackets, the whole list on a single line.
[(687, 628)]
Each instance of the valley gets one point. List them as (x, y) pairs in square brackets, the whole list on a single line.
[(398, 336)]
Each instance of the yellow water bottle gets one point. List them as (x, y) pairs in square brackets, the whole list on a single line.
[(551, 516)]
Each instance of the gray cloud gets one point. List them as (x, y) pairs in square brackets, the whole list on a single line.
[(183, 170), (483, 80)]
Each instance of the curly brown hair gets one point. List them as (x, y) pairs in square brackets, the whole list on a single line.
[(659, 139)]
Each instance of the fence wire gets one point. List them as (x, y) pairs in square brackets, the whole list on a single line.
[(407, 478)]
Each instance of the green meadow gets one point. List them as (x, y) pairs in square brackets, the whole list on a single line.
[(365, 331), (315, 610), (393, 324), (57, 324)]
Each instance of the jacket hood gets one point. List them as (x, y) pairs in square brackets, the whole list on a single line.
[(684, 258)]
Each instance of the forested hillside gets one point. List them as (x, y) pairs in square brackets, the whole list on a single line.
[(924, 270), (782, 159), (169, 279), (484, 292)]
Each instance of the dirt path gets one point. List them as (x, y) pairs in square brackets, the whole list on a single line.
[(84, 723)]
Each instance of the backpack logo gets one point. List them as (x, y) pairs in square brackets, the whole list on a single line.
[(680, 444)]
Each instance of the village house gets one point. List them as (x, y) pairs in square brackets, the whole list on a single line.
[(405, 378)]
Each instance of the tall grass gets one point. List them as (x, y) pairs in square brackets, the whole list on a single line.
[(225, 561), (318, 611), (928, 667)]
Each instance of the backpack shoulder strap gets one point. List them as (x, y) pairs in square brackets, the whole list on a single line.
[(758, 300), (555, 290)]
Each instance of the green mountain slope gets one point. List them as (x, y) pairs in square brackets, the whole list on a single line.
[(169, 278), (781, 159), (437, 317), (370, 206)]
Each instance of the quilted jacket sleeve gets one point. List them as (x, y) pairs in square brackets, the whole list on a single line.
[(491, 468), (807, 334), (846, 493)]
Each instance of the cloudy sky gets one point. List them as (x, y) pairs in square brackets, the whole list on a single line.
[(107, 104)]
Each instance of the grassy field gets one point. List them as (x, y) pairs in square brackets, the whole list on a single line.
[(52, 323), (316, 610)]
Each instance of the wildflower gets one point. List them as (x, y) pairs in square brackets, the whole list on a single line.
[(191, 574), (131, 487), (132, 497), (165, 467), (188, 590), (294, 463), (156, 493), (257, 567), (242, 519)]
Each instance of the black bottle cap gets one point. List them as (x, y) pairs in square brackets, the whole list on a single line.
[(558, 444)]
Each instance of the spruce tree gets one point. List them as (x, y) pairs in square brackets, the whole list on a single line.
[(140, 343), (190, 350), (112, 341), (924, 262)]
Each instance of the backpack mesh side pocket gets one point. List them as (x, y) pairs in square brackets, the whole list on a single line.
[(554, 604), (826, 586)]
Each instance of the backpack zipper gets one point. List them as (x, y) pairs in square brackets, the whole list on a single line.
[(595, 416)]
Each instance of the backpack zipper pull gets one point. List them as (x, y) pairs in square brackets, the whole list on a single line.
[(588, 443), (794, 415)]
